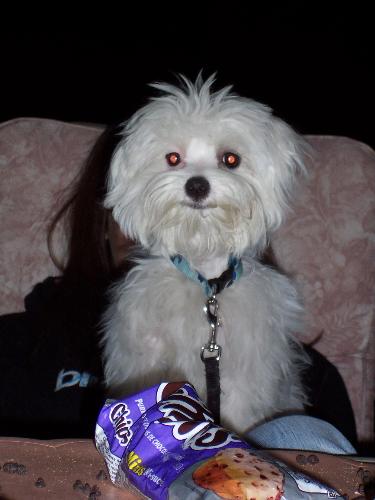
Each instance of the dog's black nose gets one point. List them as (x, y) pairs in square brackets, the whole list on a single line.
[(197, 188)]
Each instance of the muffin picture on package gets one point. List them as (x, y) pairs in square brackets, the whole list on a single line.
[(237, 474)]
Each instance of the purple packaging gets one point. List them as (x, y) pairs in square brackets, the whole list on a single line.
[(163, 443)]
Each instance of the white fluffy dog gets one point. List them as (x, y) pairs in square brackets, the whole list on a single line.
[(205, 176)]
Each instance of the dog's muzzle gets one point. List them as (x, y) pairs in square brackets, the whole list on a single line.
[(197, 188)]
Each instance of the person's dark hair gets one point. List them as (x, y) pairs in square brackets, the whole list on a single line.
[(85, 217)]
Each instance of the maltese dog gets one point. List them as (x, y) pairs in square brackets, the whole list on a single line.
[(200, 179)]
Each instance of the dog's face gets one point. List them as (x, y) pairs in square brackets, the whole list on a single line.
[(202, 174)]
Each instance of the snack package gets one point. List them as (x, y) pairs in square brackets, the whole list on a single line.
[(163, 443)]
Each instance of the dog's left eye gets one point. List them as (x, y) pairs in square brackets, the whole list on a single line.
[(173, 159), (231, 160)]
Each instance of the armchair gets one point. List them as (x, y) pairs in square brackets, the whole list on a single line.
[(327, 243)]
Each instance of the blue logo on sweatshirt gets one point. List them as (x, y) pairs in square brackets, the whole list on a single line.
[(70, 378)]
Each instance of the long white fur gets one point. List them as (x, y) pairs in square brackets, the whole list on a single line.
[(155, 326)]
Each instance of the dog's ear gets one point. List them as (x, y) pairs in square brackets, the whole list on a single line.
[(286, 151), (120, 191), (115, 176)]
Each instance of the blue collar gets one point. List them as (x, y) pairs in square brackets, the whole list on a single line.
[(215, 285)]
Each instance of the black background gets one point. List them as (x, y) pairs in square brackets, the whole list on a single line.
[(315, 67)]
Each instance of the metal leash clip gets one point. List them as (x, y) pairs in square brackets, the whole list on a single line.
[(211, 349)]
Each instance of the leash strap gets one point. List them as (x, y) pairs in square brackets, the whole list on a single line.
[(213, 387), (210, 355), (211, 351)]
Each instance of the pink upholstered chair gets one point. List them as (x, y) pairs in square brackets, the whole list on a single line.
[(327, 243)]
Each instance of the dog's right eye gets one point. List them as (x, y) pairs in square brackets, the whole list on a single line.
[(173, 159)]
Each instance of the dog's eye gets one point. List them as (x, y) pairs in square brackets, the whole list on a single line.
[(173, 159), (231, 160)]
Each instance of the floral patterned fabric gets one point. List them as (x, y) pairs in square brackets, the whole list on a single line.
[(328, 245), (327, 242)]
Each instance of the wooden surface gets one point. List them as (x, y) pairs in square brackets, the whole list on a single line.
[(54, 469), (32, 469)]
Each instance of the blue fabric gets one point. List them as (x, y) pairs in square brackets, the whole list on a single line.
[(300, 432), (208, 286)]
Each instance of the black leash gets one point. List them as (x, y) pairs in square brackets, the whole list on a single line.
[(213, 387), (211, 351), (210, 355)]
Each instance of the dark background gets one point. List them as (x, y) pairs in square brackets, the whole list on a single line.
[(315, 67)]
